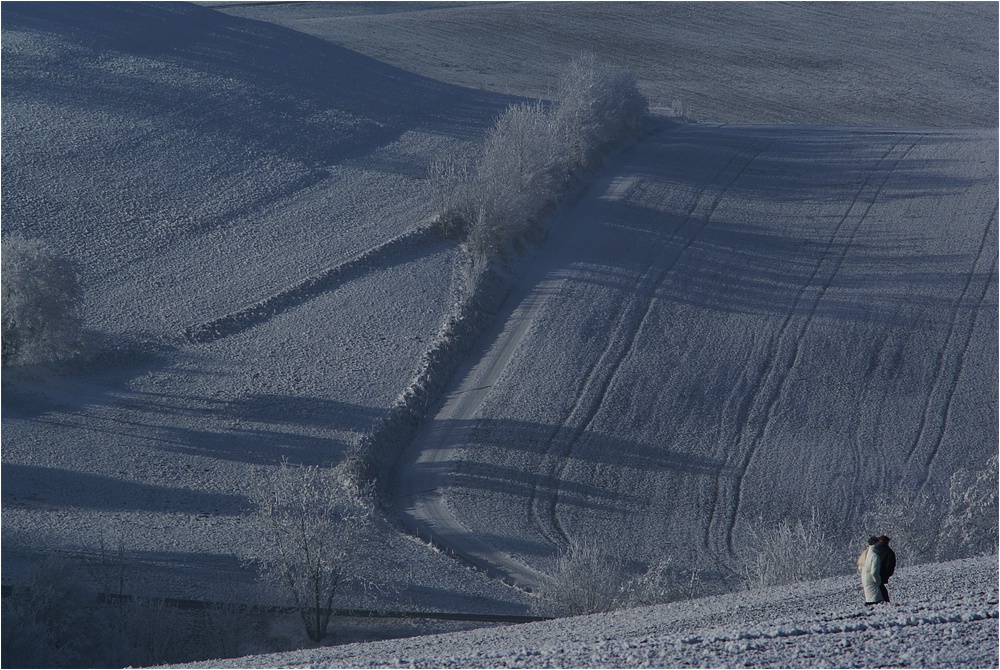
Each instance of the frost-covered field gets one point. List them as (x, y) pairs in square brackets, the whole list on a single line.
[(786, 308), (945, 617), (750, 350)]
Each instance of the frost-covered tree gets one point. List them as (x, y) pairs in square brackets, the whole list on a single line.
[(587, 579), (40, 303), (599, 105), (492, 197), (309, 534)]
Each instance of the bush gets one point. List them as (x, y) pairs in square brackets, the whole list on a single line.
[(931, 525), (665, 582), (40, 302), (970, 526), (586, 580), (911, 519), (788, 553), (308, 533)]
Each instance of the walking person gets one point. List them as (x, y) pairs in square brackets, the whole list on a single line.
[(876, 565), (887, 564), (869, 583)]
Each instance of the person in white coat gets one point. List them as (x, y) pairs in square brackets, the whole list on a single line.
[(870, 567)]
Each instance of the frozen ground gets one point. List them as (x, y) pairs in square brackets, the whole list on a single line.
[(193, 167), (749, 350), (735, 322), (909, 64), (944, 615)]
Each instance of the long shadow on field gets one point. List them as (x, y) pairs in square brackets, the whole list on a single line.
[(260, 428), (817, 207), (744, 268), (33, 485), (748, 267), (257, 83), (504, 457)]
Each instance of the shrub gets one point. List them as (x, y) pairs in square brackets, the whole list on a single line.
[(970, 525), (912, 519), (935, 525), (307, 535), (663, 582), (788, 553), (40, 301), (587, 579)]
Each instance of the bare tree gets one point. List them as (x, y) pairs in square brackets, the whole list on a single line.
[(311, 524)]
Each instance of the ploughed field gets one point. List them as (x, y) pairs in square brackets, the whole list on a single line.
[(731, 326)]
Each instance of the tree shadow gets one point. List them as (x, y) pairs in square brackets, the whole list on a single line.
[(34, 485), (807, 214), (257, 83)]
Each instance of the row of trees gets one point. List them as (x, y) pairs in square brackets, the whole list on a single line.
[(532, 153)]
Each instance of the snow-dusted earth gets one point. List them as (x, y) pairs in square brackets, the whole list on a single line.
[(196, 166), (944, 615), (750, 350), (736, 322)]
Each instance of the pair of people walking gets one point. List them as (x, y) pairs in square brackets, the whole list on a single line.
[(876, 565)]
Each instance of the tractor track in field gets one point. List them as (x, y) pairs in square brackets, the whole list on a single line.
[(937, 406), (755, 413), (601, 374)]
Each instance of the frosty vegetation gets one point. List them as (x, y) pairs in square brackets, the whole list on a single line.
[(929, 526), (925, 527), (308, 534), (531, 155), (961, 523), (40, 302), (588, 578)]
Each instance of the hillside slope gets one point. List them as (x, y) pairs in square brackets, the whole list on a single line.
[(945, 616), (245, 205), (738, 325), (194, 162), (910, 64)]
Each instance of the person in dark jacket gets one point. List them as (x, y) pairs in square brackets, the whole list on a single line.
[(886, 564)]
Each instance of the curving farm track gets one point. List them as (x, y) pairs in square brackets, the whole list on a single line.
[(738, 325)]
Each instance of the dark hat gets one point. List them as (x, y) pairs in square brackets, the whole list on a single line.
[(883, 538), (872, 539)]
